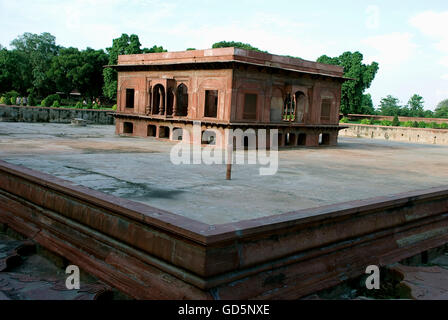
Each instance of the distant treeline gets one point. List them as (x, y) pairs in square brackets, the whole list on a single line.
[(36, 67)]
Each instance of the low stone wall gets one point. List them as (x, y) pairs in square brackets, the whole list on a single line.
[(57, 115), (357, 117), (414, 135)]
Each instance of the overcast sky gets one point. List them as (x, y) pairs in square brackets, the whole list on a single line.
[(408, 38)]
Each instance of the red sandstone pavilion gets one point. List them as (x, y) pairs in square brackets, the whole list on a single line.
[(228, 88)]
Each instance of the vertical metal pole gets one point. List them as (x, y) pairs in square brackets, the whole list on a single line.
[(229, 161)]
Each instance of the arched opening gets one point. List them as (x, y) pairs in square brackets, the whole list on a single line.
[(211, 104), (208, 137), (177, 134), (288, 108), (324, 139), (182, 100), (151, 131), (164, 132), (301, 140), (128, 127), (170, 102), (130, 93), (290, 139), (158, 101)]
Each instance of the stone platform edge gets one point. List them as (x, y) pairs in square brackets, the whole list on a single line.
[(149, 253)]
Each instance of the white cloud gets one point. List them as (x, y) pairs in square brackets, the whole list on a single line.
[(373, 17), (263, 30), (391, 49), (434, 25)]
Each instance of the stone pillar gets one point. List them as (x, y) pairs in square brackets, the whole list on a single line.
[(162, 100), (312, 139), (282, 136), (174, 103), (334, 138)]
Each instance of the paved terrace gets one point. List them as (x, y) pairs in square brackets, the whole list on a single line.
[(140, 169)]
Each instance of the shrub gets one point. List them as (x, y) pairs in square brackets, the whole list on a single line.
[(56, 104), (78, 105), (114, 107), (48, 101), (415, 124), (343, 120), (444, 125), (386, 123), (408, 124), (434, 125), (31, 100), (396, 122), (10, 97), (422, 124), (365, 121), (3, 100)]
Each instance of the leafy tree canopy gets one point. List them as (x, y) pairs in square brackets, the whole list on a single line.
[(82, 70), (227, 44), (123, 45), (389, 106), (38, 50), (367, 104), (442, 109), (416, 106), (14, 71), (154, 49), (363, 75)]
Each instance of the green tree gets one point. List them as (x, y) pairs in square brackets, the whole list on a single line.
[(83, 70), (367, 104), (13, 71), (363, 75), (227, 44), (389, 106), (154, 49), (63, 69), (123, 45), (38, 50), (416, 106), (442, 109), (395, 121)]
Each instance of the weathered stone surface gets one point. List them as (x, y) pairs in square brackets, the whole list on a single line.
[(78, 122), (26, 275), (425, 283), (131, 246)]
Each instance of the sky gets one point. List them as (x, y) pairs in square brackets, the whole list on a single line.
[(408, 38)]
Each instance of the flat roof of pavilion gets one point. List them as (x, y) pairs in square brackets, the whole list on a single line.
[(225, 56)]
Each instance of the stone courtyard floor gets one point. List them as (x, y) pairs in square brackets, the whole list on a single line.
[(139, 169)]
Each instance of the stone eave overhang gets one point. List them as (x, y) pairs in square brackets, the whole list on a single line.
[(226, 64), (229, 124)]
